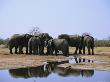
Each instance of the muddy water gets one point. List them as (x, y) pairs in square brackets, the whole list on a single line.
[(51, 73)]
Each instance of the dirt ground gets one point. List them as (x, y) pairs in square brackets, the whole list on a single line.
[(101, 60)]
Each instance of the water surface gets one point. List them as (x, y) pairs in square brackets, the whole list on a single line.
[(51, 73)]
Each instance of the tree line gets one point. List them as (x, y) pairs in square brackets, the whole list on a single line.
[(102, 43)]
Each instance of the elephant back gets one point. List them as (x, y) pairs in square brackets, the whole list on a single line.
[(88, 40), (23, 39), (14, 40), (60, 41), (44, 36), (34, 41), (15, 35), (64, 36), (75, 40)]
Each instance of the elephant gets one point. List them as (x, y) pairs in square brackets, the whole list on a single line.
[(73, 40), (39, 71), (44, 38), (88, 41), (68, 71), (19, 41), (34, 45), (58, 44), (29, 72)]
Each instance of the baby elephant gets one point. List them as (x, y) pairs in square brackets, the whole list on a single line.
[(34, 45), (58, 44)]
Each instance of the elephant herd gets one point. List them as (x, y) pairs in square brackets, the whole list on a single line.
[(45, 70), (35, 44)]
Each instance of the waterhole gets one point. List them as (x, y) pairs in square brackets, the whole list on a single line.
[(49, 72)]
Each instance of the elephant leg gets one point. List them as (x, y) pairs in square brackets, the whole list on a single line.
[(20, 50), (42, 50), (83, 49), (10, 48), (11, 51), (76, 60), (37, 50), (83, 60), (16, 48), (51, 51), (66, 52), (34, 52), (56, 52), (92, 51), (30, 50), (76, 50), (48, 51), (79, 60), (80, 51), (89, 52), (26, 49), (80, 48)]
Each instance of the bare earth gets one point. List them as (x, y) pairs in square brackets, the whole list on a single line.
[(101, 60)]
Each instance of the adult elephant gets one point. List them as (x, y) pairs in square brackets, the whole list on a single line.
[(29, 72), (44, 38), (58, 44), (88, 41), (19, 41), (73, 40), (34, 45)]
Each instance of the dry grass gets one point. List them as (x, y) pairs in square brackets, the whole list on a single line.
[(102, 49)]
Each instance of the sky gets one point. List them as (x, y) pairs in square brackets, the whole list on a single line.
[(55, 17)]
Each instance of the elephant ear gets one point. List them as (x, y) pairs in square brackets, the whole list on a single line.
[(27, 36)]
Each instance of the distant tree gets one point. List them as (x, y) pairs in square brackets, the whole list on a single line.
[(6, 42), (109, 38), (34, 31), (1, 41)]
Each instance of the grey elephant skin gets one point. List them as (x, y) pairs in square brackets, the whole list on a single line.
[(19, 41), (58, 44), (73, 40), (44, 37), (88, 41), (34, 45)]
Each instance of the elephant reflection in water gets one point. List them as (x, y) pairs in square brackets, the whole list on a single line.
[(79, 60), (44, 71), (29, 72), (40, 71), (73, 72)]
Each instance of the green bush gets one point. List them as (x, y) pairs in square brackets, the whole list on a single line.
[(1, 41), (102, 43)]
